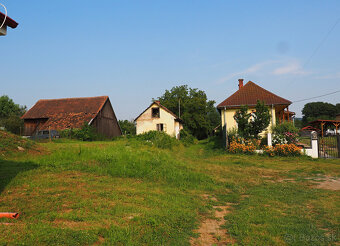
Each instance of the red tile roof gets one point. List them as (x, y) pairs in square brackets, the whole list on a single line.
[(66, 112), (9, 22), (249, 94)]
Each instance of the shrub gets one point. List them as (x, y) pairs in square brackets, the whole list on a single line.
[(186, 138), (86, 133), (158, 139), (13, 124), (285, 133), (232, 134), (282, 150)]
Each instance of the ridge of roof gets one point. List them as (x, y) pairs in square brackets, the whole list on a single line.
[(71, 98), (163, 107), (246, 96)]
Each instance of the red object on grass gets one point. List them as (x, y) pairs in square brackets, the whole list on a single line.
[(9, 215)]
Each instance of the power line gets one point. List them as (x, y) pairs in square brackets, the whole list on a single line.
[(321, 43), (334, 92)]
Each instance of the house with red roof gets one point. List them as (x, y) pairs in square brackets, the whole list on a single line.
[(70, 113), (156, 117), (5, 22), (249, 94)]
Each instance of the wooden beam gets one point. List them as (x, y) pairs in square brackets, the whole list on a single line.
[(322, 124)]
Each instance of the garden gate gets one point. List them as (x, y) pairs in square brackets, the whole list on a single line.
[(329, 146)]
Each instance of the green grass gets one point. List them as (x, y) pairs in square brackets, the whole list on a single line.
[(10, 142), (128, 192)]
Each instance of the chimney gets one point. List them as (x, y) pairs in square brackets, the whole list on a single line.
[(240, 83)]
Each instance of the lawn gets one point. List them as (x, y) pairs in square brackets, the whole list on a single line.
[(127, 192)]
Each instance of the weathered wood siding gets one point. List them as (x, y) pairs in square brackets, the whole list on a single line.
[(31, 126), (106, 122)]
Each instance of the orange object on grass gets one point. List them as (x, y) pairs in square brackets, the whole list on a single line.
[(9, 215)]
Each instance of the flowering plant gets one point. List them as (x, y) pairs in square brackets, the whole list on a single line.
[(245, 146), (282, 150)]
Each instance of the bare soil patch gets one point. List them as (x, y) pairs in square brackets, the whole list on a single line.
[(330, 183), (210, 230)]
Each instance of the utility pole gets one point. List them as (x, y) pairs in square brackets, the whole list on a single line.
[(225, 131), (179, 107)]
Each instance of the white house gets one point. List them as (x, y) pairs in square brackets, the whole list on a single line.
[(158, 118)]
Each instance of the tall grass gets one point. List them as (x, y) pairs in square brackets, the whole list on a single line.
[(127, 159)]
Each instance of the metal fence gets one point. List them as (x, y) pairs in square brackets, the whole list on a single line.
[(329, 147)]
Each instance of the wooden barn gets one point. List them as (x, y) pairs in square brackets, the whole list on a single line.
[(69, 113)]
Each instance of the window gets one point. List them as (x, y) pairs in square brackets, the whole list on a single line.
[(155, 112), (160, 127)]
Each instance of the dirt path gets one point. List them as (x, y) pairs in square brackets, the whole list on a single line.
[(210, 230)]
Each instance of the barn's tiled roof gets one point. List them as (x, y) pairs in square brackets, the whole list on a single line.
[(67, 112), (249, 94)]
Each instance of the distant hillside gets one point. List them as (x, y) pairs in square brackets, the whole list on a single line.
[(10, 143)]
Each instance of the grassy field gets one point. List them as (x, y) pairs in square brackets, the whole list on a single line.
[(127, 192)]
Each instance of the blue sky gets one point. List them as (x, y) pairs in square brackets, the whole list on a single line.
[(133, 50)]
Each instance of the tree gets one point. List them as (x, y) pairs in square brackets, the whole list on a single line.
[(242, 119), (251, 124), (337, 108), (198, 113), (8, 108), (128, 127), (10, 114), (318, 110), (260, 119)]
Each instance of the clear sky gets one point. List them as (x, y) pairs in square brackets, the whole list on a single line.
[(133, 50)]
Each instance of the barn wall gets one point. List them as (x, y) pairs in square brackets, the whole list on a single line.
[(32, 125), (106, 122)]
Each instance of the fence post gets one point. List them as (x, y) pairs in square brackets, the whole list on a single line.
[(314, 144), (338, 144)]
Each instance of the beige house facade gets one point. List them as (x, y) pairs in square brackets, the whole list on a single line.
[(158, 118)]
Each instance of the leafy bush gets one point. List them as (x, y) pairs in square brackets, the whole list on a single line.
[(232, 134), (13, 124), (86, 133), (282, 150), (158, 139), (127, 127), (186, 138), (285, 133)]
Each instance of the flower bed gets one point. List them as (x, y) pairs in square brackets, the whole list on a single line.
[(242, 146), (282, 150)]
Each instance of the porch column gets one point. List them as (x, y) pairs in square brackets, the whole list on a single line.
[(322, 124), (288, 114)]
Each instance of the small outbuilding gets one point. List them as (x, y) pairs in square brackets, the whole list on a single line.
[(158, 118), (69, 113)]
